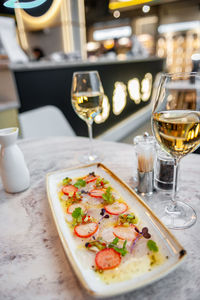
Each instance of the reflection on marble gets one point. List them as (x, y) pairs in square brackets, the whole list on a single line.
[(33, 264)]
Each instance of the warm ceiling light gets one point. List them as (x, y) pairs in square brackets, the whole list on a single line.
[(146, 86), (111, 33), (24, 5), (109, 44), (146, 9), (120, 4), (195, 56), (116, 14), (134, 90), (124, 41), (44, 21), (92, 46), (119, 98), (103, 116), (182, 26)]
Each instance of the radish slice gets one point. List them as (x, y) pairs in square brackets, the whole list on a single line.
[(97, 193), (86, 230), (90, 178), (125, 233), (69, 189), (73, 206), (107, 259), (116, 208)]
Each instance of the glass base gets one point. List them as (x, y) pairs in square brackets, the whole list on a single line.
[(179, 217), (88, 159)]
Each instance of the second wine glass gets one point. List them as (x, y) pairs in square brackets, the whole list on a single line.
[(87, 97), (176, 126)]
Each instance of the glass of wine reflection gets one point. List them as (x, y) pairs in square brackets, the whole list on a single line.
[(176, 127), (87, 97)]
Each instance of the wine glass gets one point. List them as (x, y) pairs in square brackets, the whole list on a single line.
[(176, 127), (87, 97)]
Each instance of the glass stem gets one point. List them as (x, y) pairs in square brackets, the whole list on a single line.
[(89, 124), (175, 181)]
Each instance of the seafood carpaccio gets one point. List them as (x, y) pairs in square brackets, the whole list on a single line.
[(111, 239)]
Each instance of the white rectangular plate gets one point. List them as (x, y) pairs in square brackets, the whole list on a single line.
[(89, 279)]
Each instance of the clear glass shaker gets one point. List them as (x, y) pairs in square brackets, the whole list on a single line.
[(144, 146)]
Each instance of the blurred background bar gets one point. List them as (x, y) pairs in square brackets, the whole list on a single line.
[(129, 42), (127, 85)]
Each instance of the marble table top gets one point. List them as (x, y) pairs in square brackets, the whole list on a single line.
[(33, 264)]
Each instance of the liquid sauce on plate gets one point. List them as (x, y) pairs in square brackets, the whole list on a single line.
[(110, 237)]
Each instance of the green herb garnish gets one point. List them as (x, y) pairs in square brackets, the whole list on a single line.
[(108, 197), (78, 195), (77, 212), (66, 181), (100, 245), (77, 215), (123, 251), (101, 182), (115, 241), (73, 198), (128, 218), (80, 183), (152, 246)]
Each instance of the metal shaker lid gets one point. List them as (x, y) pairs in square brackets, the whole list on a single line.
[(144, 139)]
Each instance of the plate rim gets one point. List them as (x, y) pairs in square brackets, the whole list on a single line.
[(67, 250)]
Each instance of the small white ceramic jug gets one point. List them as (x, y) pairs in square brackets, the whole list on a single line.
[(14, 172)]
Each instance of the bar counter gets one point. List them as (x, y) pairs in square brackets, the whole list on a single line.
[(32, 261), (128, 87)]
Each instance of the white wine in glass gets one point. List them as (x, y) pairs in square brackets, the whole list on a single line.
[(176, 127), (177, 131), (87, 97)]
